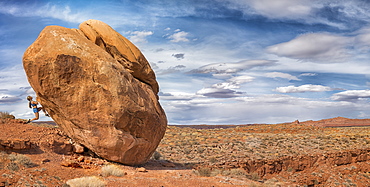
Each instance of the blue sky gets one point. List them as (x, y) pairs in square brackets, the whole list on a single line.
[(218, 61)]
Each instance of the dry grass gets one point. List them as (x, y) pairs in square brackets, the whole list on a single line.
[(4, 115), (12, 166), (111, 170), (156, 156), (92, 181), (22, 160), (15, 161), (204, 172)]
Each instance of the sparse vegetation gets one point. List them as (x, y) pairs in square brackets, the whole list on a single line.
[(22, 160), (253, 176), (156, 155), (5, 115), (204, 172), (258, 142), (238, 172), (91, 181), (113, 170), (12, 166)]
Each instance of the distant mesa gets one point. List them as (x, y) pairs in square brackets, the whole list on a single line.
[(337, 122), (99, 88)]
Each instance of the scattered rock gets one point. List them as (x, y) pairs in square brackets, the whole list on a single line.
[(81, 158), (100, 162), (141, 169), (3, 182), (70, 163), (96, 85), (44, 161), (87, 161), (77, 148)]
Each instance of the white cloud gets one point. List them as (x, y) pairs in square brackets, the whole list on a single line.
[(4, 99), (282, 75), (346, 13), (225, 89), (219, 91), (351, 95), (179, 37), (226, 85), (308, 74), (139, 36), (234, 82), (222, 68), (304, 88), (241, 79), (290, 9), (323, 47), (177, 96), (274, 108), (362, 39), (48, 10), (171, 69)]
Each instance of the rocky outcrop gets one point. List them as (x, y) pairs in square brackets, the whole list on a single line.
[(19, 137), (99, 88), (299, 162)]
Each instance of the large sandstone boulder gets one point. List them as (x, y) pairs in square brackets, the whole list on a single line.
[(99, 88)]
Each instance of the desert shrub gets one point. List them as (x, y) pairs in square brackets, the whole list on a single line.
[(109, 170), (86, 182), (3, 155), (253, 176), (204, 172), (187, 151), (156, 155), (200, 149), (213, 160), (216, 172), (22, 160), (4, 115), (237, 172), (12, 166)]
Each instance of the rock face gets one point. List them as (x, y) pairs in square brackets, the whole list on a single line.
[(99, 88)]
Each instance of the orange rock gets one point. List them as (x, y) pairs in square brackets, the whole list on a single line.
[(99, 89), (70, 163), (81, 158), (77, 148), (121, 49), (141, 169)]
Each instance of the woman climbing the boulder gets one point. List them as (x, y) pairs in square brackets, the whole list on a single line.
[(33, 104)]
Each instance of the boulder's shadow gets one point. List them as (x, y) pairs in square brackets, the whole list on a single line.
[(166, 165)]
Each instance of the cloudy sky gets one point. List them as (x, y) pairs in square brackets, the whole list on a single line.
[(218, 61)]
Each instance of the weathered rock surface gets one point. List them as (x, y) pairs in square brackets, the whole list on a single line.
[(99, 88)]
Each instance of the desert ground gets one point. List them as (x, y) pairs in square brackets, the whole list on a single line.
[(330, 152)]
